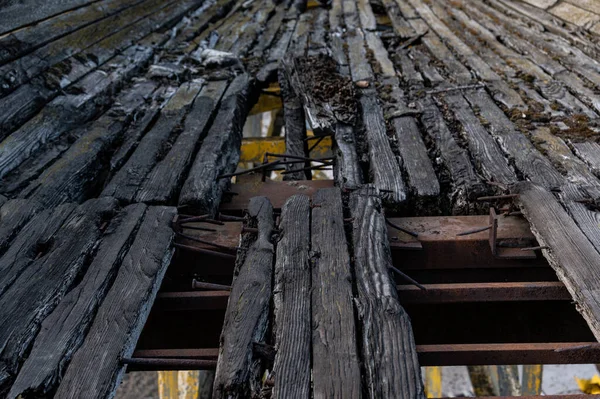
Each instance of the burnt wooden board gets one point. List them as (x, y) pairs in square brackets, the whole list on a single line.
[(36, 291), (64, 330), (388, 348), (335, 365), (246, 318), (95, 369), (220, 150), (291, 299)]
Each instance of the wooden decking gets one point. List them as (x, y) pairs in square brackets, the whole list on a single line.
[(118, 115)]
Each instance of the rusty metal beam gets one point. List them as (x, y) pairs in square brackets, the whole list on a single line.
[(429, 355)]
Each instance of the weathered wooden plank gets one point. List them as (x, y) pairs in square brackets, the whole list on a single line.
[(66, 112), (95, 369), (483, 148), (569, 252), (63, 331), (388, 349), (36, 292), (336, 367), (395, 10), (291, 299), (13, 216), (533, 165), (126, 183), (163, 183), (346, 169), (295, 126), (590, 153), (77, 174), (36, 234), (246, 318), (220, 150)]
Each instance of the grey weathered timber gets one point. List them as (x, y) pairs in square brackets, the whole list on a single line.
[(526, 158), (220, 150), (36, 292), (247, 315), (396, 12), (36, 234), (295, 128), (388, 350), (291, 299), (13, 216), (569, 252), (335, 366), (126, 183), (347, 170), (77, 174), (162, 184), (589, 152), (95, 369), (68, 111), (64, 330), (384, 169), (484, 150)]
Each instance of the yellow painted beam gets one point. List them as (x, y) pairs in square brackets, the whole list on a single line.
[(266, 103), (188, 382), (532, 379), (254, 148), (312, 4), (167, 385), (433, 382)]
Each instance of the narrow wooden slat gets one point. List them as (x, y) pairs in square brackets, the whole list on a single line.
[(388, 349), (291, 298), (95, 369), (220, 150), (63, 331), (246, 319), (336, 369), (44, 283)]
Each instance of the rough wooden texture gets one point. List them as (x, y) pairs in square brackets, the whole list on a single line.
[(163, 183), (63, 331), (569, 252), (295, 128), (590, 154), (68, 111), (95, 369), (336, 367), (347, 170), (246, 318), (13, 216), (220, 150), (388, 349), (291, 298), (36, 291), (126, 183)]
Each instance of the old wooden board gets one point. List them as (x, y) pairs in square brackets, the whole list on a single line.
[(95, 369)]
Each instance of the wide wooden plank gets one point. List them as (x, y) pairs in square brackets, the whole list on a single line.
[(335, 366), (570, 253), (63, 331), (291, 299), (36, 292), (347, 170), (162, 184), (246, 319), (589, 152), (13, 216), (388, 349), (220, 150), (126, 183), (96, 369)]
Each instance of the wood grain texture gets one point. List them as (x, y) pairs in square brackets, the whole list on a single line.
[(389, 354), (589, 152), (347, 170), (220, 150), (36, 292), (336, 368), (95, 369), (247, 315), (291, 299), (64, 330), (569, 252), (128, 181), (162, 184)]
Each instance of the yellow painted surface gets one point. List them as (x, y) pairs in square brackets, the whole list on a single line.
[(433, 382), (266, 103), (591, 386), (167, 385), (254, 148), (188, 384), (312, 4), (532, 379)]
